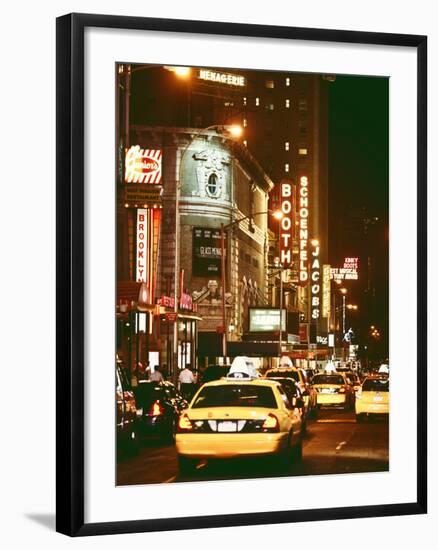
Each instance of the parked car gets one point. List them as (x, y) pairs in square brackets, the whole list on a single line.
[(373, 398), (239, 416), (309, 394), (126, 414), (333, 390), (159, 405)]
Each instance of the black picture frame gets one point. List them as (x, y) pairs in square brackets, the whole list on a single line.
[(70, 272)]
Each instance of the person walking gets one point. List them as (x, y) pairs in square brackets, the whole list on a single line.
[(187, 382), (156, 375)]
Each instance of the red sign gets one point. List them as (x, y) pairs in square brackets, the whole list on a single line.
[(166, 301), (171, 317), (286, 223), (303, 332), (142, 165)]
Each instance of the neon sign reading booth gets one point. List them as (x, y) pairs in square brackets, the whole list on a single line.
[(286, 224), (303, 224)]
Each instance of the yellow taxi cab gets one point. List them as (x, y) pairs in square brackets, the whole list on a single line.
[(309, 394), (239, 416), (333, 389), (373, 397)]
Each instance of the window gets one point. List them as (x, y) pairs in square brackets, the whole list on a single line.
[(245, 143), (257, 100), (303, 129), (376, 385), (286, 167), (286, 146), (287, 103), (245, 123), (212, 185), (269, 106), (244, 100), (236, 395), (287, 81), (269, 84), (302, 105), (327, 379), (255, 262), (302, 151)]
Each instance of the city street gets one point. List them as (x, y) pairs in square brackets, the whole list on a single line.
[(334, 443)]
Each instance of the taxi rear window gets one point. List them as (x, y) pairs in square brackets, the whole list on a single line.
[(375, 385), (283, 374), (235, 395), (327, 379)]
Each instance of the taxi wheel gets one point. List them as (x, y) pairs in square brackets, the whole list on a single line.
[(186, 465)]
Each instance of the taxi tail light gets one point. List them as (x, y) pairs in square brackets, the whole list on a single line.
[(184, 423), (156, 409), (271, 423)]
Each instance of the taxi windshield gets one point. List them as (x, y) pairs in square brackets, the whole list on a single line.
[(235, 395)]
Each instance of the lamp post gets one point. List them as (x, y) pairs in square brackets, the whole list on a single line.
[(278, 215)]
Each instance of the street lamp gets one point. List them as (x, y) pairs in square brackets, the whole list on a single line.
[(343, 291), (277, 215)]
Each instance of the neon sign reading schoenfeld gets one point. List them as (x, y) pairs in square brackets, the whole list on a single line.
[(303, 225)]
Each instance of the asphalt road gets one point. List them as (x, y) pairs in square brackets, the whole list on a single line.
[(334, 444)]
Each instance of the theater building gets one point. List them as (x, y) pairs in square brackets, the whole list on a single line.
[(206, 179)]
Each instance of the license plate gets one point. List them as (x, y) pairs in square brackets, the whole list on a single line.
[(227, 426)]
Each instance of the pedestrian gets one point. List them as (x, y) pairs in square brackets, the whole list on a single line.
[(156, 375), (187, 382), (164, 371)]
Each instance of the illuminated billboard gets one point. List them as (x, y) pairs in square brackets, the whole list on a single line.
[(266, 320), (325, 291), (142, 165), (348, 272)]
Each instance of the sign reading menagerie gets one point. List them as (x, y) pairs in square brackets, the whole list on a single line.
[(222, 78)]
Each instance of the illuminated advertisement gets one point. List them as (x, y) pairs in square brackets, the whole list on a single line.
[(325, 290), (266, 320), (286, 224), (303, 227), (315, 275), (348, 272), (142, 165)]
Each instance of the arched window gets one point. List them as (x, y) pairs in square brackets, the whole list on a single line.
[(212, 185)]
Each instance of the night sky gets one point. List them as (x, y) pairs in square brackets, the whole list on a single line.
[(358, 187)]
